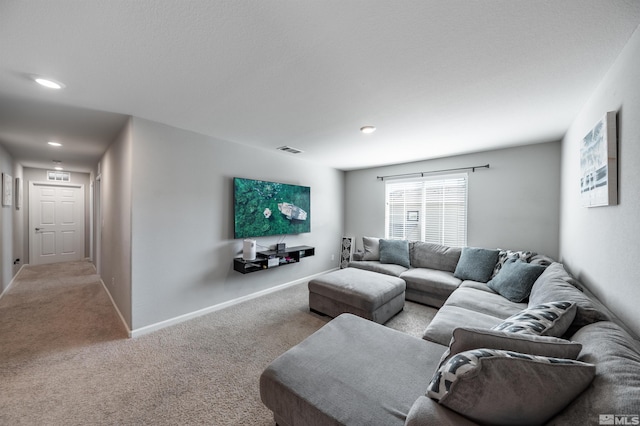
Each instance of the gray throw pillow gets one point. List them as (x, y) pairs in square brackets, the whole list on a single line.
[(476, 264), (371, 248), (395, 251), (515, 279), (434, 256), (498, 387), (548, 319), (556, 283), (468, 338)]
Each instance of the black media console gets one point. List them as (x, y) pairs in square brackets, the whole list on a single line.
[(272, 258)]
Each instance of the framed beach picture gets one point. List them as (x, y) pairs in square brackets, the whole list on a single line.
[(599, 164), (7, 189)]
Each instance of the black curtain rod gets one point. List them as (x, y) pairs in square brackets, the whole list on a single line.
[(473, 169)]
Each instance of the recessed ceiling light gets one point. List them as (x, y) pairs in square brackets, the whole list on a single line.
[(47, 82), (367, 129), (52, 143), (58, 168)]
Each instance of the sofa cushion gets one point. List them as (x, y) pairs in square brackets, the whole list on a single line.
[(371, 248), (548, 319), (555, 283), (468, 338), (505, 255), (515, 279), (616, 387), (489, 385), (441, 283), (376, 266), (485, 302), (426, 411), (395, 252), (476, 264), (440, 329), (434, 256)]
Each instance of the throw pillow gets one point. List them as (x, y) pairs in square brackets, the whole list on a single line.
[(434, 256), (515, 280), (371, 248), (548, 319), (468, 338), (556, 283), (395, 251), (504, 255), (476, 264), (508, 388)]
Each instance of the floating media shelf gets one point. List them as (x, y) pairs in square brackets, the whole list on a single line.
[(271, 258)]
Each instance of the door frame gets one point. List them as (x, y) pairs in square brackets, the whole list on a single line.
[(32, 185)]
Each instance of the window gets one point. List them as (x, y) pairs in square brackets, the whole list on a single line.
[(433, 210)]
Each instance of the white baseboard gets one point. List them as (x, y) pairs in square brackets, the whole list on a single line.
[(12, 281), (176, 320), (113, 302)]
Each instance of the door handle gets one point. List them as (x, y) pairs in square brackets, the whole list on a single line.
[(39, 229)]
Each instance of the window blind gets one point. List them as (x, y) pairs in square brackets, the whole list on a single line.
[(431, 209)]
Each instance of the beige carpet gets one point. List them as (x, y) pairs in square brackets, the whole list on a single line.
[(65, 358)]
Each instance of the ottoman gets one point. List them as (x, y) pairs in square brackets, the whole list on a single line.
[(376, 297)]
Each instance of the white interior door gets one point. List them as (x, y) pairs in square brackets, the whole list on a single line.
[(56, 222)]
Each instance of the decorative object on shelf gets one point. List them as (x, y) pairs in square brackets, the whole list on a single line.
[(7, 189), (249, 249), (18, 193), (599, 164), (346, 250)]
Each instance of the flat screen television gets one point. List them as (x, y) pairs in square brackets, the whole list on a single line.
[(262, 208)]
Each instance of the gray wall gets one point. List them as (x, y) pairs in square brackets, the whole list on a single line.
[(514, 204), (40, 175), (182, 220), (115, 250), (600, 245)]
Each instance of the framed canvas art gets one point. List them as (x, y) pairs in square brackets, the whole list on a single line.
[(7, 189), (599, 164)]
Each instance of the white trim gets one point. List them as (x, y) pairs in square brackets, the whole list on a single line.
[(113, 302), (12, 281), (176, 320)]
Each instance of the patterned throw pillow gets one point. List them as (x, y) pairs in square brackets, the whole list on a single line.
[(472, 382), (504, 255), (548, 319)]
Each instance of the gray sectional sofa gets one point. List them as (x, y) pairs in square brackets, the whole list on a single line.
[(557, 356)]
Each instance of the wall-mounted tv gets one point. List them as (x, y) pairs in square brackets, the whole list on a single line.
[(262, 208)]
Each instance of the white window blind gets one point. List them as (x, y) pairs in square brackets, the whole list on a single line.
[(432, 209)]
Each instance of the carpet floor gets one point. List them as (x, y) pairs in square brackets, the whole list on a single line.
[(65, 358)]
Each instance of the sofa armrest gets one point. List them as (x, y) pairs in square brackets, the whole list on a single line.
[(426, 411)]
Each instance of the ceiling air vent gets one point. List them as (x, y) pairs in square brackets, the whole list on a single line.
[(289, 149)]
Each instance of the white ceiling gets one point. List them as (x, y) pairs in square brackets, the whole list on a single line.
[(436, 78)]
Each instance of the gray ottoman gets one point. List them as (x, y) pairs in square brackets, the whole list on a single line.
[(370, 295)]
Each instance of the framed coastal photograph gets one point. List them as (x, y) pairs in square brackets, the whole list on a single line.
[(413, 216), (599, 164), (7, 189)]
